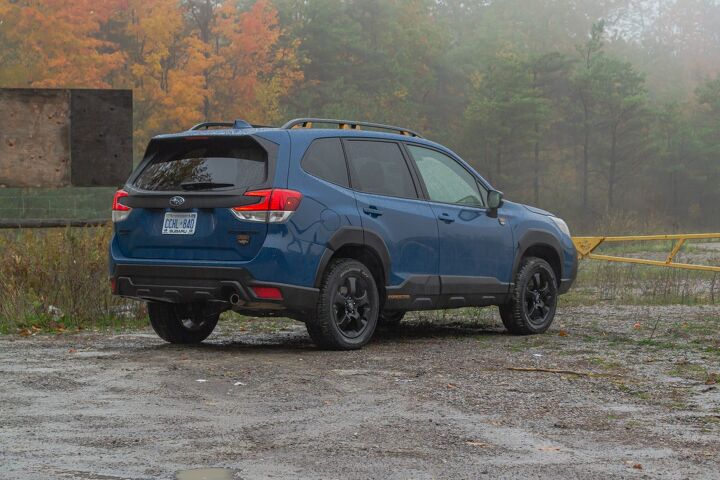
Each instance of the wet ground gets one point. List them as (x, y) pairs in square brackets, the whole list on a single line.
[(610, 391)]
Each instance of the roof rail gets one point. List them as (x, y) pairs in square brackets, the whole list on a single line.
[(347, 125), (236, 125)]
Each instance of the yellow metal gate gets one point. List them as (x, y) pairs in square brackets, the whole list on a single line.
[(587, 245)]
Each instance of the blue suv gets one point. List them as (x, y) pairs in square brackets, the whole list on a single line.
[(344, 228)]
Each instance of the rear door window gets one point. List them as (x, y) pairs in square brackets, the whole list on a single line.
[(380, 168), (325, 159), (204, 163)]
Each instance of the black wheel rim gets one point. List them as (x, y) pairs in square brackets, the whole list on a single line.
[(351, 305), (192, 321), (539, 297), (192, 325)]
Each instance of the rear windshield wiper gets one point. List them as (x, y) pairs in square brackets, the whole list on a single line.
[(205, 185)]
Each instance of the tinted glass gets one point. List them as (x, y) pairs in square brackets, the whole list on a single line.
[(325, 159), (379, 167), (204, 164), (445, 179)]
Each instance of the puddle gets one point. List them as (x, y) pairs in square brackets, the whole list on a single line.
[(206, 474)]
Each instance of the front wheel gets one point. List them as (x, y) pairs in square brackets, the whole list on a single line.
[(348, 307), (533, 300), (182, 323)]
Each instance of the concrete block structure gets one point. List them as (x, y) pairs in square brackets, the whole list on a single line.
[(65, 137)]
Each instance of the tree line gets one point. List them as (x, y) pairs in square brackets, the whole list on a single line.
[(597, 110)]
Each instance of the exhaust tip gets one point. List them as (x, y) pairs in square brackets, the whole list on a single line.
[(234, 299)]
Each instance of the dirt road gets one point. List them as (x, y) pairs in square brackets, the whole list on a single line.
[(431, 400)]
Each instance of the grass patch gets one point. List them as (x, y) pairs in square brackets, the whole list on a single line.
[(607, 364), (693, 371), (57, 280), (629, 284)]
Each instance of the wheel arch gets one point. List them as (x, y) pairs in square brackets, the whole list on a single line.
[(540, 244), (364, 246)]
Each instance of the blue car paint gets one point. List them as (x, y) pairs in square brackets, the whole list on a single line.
[(474, 244)]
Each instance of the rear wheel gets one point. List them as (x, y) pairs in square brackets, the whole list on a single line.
[(348, 307), (533, 300), (182, 323)]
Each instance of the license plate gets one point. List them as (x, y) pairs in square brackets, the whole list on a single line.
[(179, 223)]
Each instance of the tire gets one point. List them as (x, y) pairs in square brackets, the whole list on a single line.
[(533, 300), (347, 309), (390, 319), (182, 323)]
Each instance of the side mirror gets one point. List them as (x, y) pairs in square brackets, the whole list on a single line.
[(494, 200)]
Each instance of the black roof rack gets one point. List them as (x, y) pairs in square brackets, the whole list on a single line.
[(236, 125), (348, 125)]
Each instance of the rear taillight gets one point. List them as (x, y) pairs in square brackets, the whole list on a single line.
[(119, 211), (275, 205)]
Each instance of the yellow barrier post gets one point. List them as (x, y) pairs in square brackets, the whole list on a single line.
[(586, 246)]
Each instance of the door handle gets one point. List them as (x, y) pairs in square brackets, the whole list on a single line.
[(373, 211), (445, 217)]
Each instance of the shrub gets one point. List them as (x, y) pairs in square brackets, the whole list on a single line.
[(58, 279)]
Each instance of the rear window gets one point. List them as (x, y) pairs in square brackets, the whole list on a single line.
[(325, 159), (204, 164)]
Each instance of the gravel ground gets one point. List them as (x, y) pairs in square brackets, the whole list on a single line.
[(437, 398)]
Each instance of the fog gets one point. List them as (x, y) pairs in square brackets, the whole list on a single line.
[(605, 112)]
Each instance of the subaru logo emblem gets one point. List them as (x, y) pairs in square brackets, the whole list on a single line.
[(176, 201)]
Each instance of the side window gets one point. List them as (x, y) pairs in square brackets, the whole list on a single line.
[(325, 159), (445, 179), (379, 167)]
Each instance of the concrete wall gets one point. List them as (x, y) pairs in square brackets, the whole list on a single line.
[(58, 138)]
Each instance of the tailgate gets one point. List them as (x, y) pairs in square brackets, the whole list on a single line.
[(181, 198)]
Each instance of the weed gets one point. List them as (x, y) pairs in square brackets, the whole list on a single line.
[(607, 363), (57, 279)]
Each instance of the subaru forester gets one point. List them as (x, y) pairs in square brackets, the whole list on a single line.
[(339, 224)]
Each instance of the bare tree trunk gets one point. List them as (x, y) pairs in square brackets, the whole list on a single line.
[(586, 168), (536, 178), (203, 14), (612, 170), (486, 155)]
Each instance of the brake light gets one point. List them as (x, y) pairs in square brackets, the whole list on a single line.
[(275, 205), (119, 211)]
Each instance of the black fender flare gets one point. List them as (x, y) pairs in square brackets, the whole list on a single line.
[(535, 238), (353, 236)]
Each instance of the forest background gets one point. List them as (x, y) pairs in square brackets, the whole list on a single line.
[(606, 112)]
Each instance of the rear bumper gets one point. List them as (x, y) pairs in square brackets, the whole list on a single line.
[(183, 284)]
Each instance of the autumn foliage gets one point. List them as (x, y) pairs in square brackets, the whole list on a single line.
[(603, 112), (184, 60)]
